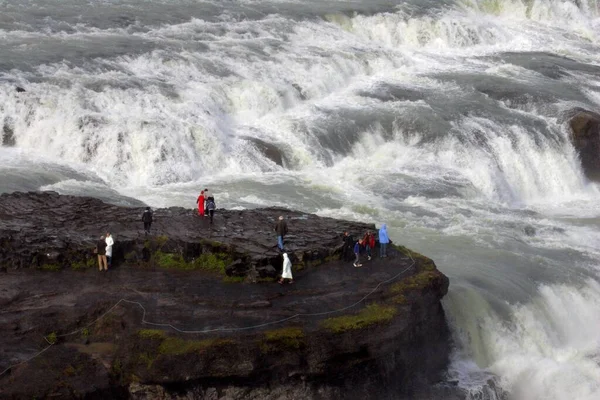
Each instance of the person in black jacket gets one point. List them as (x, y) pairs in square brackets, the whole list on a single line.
[(281, 229), (347, 247), (147, 219)]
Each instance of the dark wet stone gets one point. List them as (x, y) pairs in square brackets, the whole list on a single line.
[(20, 89), (269, 150), (529, 230), (8, 136), (585, 136)]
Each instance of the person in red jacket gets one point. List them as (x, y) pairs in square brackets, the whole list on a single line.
[(369, 241), (200, 202)]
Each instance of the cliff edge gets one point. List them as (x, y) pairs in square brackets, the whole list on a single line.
[(193, 311)]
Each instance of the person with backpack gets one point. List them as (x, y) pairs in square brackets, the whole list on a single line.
[(210, 207), (383, 241), (147, 219)]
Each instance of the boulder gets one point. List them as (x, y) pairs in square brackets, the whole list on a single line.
[(585, 136)]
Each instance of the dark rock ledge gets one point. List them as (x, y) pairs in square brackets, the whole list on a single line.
[(395, 344)]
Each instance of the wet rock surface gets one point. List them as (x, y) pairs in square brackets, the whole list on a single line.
[(585, 136), (373, 332)]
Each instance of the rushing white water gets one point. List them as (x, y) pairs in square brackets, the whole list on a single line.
[(444, 119)]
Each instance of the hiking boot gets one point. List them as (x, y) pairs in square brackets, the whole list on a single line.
[(369, 258)]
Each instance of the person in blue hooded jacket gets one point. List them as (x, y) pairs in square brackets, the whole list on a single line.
[(383, 241)]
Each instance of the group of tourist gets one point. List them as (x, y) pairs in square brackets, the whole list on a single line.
[(351, 249), (206, 205)]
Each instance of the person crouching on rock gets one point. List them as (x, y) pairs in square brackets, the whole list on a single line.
[(147, 219), (287, 270), (101, 251), (109, 246), (281, 230), (200, 202), (357, 253)]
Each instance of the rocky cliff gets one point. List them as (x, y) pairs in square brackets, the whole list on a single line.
[(194, 311)]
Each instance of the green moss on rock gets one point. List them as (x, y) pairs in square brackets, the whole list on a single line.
[(152, 334), (177, 346), (234, 279), (281, 339), (370, 315), (49, 267), (52, 338), (422, 262), (415, 282), (214, 262), (82, 266)]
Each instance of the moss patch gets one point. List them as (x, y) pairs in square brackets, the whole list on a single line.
[(234, 279), (49, 267), (400, 299), (416, 282), (52, 338), (82, 266), (370, 315), (280, 339), (150, 334), (422, 262), (177, 346), (214, 262)]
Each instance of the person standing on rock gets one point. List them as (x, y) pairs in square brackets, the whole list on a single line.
[(109, 246), (357, 253), (206, 196), (147, 219), (281, 229), (200, 202), (101, 251), (286, 273), (369, 241), (347, 247), (383, 241), (211, 206)]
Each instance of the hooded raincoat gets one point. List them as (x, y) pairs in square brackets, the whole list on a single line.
[(383, 235), (287, 267)]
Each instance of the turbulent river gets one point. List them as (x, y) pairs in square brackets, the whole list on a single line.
[(444, 119)]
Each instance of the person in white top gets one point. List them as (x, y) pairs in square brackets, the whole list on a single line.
[(287, 269), (109, 248)]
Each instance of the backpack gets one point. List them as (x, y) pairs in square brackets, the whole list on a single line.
[(210, 205)]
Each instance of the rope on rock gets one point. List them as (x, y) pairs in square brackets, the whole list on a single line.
[(166, 325)]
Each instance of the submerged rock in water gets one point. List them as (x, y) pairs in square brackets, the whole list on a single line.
[(585, 136), (337, 332), (529, 230)]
